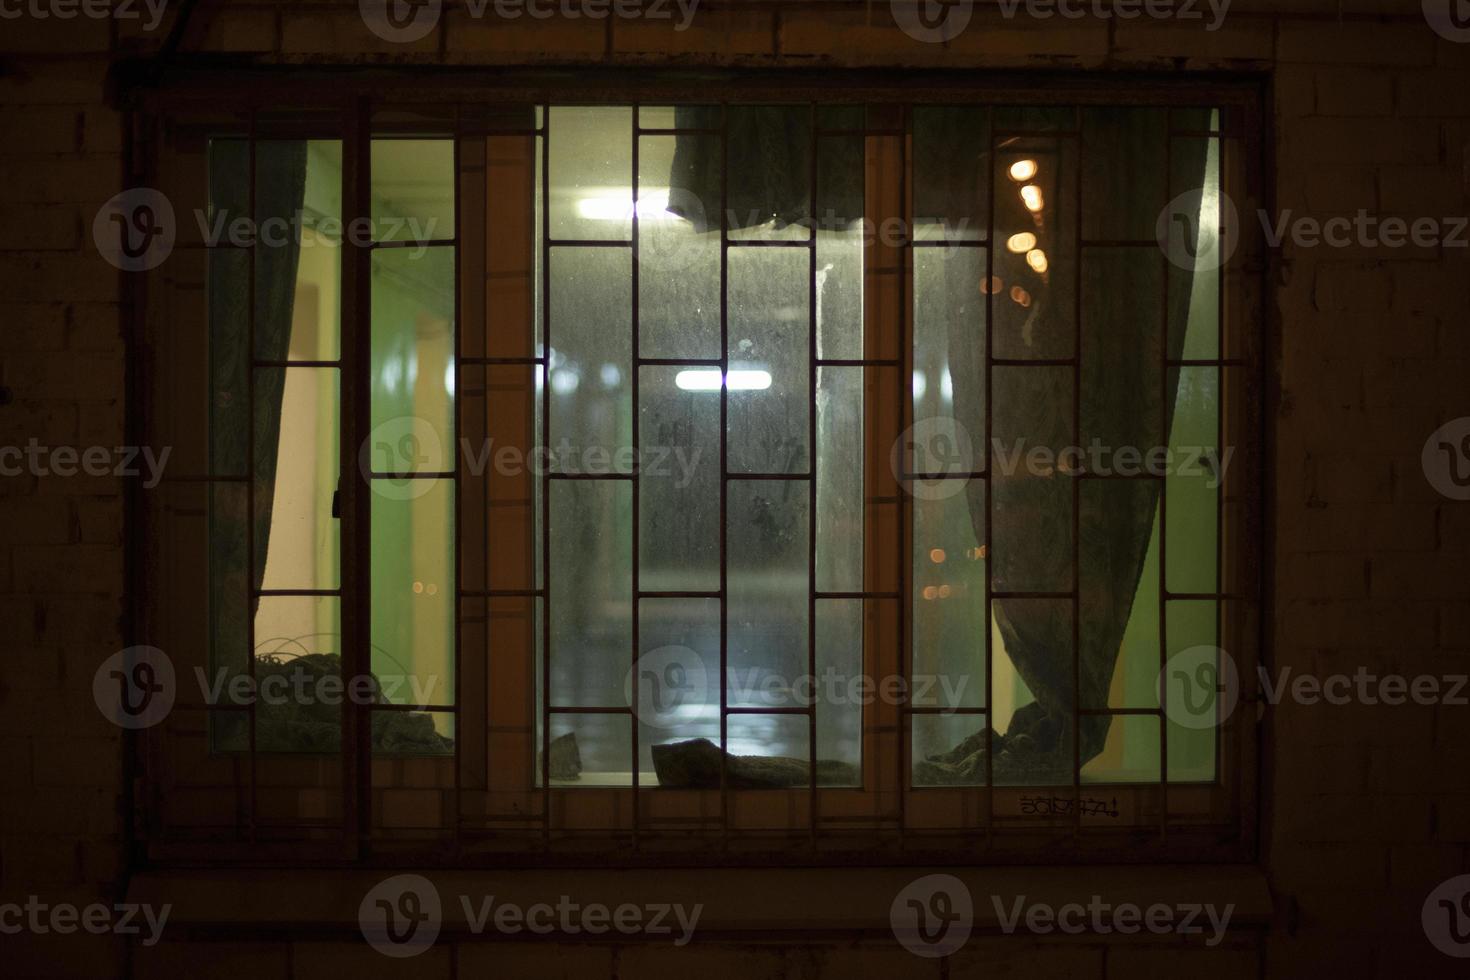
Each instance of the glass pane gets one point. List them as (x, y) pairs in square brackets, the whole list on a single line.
[(840, 512), (1122, 342), (412, 733), (1119, 579), (951, 145), (591, 173), (1124, 176), (949, 750), (591, 357), (841, 230), (1131, 753), (1030, 119), (229, 183), (768, 590), (839, 685), (413, 190), (412, 360), (1193, 483), (1196, 702), (678, 695), (229, 361), (591, 580), (769, 354), (229, 581), (774, 752), (679, 491), (413, 590), (298, 675), (769, 172), (949, 361), (1031, 695), (1032, 530), (678, 254), (841, 116), (951, 623), (297, 474), (589, 750), (298, 201), (1194, 283)]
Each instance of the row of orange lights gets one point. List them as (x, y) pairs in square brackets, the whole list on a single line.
[(1024, 243), (937, 556)]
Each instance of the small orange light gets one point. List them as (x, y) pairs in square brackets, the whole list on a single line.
[(1036, 259), (1023, 170), (1020, 296), (991, 285), (418, 588), (930, 592), (936, 555), (944, 592), (1031, 197)]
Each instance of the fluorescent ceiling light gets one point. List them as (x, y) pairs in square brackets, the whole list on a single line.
[(708, 379)]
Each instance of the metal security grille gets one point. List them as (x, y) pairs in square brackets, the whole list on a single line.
[(498, 792)]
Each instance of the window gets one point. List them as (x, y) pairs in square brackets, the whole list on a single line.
[(806, 473)]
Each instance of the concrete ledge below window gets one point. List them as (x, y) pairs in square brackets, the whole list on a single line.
[(768, 902)]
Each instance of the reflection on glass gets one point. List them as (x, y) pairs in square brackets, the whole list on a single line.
[(769, 334), (591, 530), (767, 539), (591, 173), (678, 696), (591, 359), (679, 493), (1130, 754), (950, 621), (949, 338), (412, 358), (951, 145), (413, 190), (837, 688), (840, 511), (413, 591), (296, 479), (678, 256)]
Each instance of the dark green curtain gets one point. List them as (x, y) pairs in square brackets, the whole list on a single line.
[(280, 187), (770, 171), (1126, 401), (1126, 398)]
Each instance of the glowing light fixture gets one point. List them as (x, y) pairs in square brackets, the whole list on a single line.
[(616, 204), (1023, 170), (708, 379), (1031, 197), (1021, 242), (1036, 259)]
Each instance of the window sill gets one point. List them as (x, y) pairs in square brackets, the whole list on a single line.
[(787, 901)]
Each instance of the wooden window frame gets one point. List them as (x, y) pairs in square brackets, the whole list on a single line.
[(886, 821)]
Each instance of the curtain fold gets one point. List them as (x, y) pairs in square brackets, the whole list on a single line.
[(770, 171), (1127, 400)]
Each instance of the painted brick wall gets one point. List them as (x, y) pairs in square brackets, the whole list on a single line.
[(1368, 806)]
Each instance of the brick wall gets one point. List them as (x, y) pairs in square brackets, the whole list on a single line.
[(1368, 807)]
